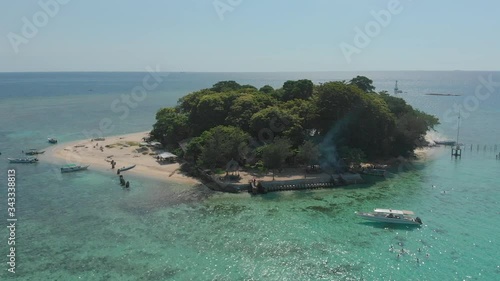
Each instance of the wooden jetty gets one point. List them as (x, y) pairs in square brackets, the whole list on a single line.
[(257, 187)]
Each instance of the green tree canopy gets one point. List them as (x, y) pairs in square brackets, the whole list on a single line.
[(364, 83), (266, 89), (308, 153), (334, 100), (225, 86), (245, 106), (171, 126), (217, 146), (274, 121), (349, 116), (275, 154), (301, 89)]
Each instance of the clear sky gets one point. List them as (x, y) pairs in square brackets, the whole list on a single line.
[(248, 35)]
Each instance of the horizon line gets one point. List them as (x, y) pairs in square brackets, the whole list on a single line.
[(178, 71)]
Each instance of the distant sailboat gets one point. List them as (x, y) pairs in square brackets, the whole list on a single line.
[(396, 89), (457, 151)]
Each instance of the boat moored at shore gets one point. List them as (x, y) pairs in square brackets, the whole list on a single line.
[(73, 168), (52, 140), (125, 168), (34, 152), (391, 216), (23, 160)]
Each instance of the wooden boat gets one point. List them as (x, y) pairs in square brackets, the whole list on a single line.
[(391, 216), (123, 169), (34, 152), (52, 140), (73, 168), (23, 160)]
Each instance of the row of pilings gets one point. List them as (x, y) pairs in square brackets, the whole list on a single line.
[(479, 147), (456, 151), (257, 187)]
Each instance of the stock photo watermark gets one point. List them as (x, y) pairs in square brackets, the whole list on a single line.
[(484, 89), (31, 26), (363, 37), (225, 6), (11, 220), (122, 106), (126, 102)]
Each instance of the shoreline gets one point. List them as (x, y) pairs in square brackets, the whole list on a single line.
[(124, 150)]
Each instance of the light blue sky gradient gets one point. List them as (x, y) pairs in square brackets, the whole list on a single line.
[(257, 35)]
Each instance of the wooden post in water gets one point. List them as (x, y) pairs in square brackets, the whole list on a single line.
[(456, 152)]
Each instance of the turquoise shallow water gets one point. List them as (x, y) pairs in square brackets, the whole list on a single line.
[(83, 226)]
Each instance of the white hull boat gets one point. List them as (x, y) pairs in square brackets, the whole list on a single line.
[(391, 216), (73, 168)]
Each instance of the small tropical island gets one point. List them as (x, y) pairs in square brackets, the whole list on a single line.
[(233, 134)]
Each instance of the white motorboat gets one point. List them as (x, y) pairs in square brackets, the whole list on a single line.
[(391, 216), (73, 168)]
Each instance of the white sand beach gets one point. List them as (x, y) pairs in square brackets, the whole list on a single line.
[(124, 150)]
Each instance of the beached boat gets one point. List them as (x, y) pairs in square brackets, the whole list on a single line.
[(23, 160), (33, 152), (391, 216), (123, 169), (73, 168), (52, 140)]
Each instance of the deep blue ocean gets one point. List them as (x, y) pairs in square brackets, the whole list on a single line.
[(83, 226)]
